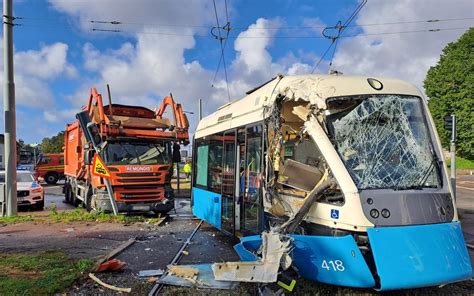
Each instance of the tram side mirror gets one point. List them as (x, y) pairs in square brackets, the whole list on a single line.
[(176, 153), (89, 156)]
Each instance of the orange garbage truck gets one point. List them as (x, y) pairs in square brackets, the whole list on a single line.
[(119, 158)]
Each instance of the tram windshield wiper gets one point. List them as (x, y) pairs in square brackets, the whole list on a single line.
[(424, 177)]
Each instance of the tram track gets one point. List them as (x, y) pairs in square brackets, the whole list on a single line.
[(158, 286)]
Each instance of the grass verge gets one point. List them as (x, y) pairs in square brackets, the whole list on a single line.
[(462, 163), (43, 273), (79, 215)]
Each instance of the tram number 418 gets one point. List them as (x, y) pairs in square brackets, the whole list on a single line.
[(335, 265)]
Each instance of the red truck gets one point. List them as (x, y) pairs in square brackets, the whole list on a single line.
[(135, 144), (50, 167)]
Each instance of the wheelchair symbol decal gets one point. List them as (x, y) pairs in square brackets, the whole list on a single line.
[(334, 214)]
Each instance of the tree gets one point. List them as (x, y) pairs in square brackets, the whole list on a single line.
[(450, 87), (54, 144)]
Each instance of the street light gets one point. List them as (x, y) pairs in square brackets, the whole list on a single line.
[(34, 145)]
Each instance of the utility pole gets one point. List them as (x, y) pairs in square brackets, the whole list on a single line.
[(200, 109), (453, 154), (9, 109), (450, 125)]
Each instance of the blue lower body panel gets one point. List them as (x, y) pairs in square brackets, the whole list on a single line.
[(405, 257), (419, 256), (326, 259), (207, 206)]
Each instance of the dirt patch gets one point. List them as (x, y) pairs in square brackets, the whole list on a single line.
[(14, 272)]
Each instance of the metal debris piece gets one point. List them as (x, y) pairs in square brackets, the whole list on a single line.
[(264, 270), (203, 279), (151, 272), (299, 176)]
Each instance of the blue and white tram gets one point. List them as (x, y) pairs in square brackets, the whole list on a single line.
[(389, 222)]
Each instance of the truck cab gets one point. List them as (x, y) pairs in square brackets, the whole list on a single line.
[(50, 167)]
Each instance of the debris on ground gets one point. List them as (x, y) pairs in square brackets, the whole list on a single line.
[(114, 252), (183, 271), (150, 273), (112, 264), (118, 289), (265, 270), (194, 276)]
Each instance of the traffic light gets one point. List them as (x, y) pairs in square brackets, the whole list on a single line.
[(450, 125), (448, 122)]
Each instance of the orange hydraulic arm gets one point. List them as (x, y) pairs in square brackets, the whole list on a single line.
[(180, 119), (107, 126)]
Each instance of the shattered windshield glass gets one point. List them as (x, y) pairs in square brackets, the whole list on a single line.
[(384, 142)]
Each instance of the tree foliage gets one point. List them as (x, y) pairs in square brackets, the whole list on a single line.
[(54, 144), (450, 87)]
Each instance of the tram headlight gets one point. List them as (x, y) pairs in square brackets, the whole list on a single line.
[(385, 213), (374, 213)]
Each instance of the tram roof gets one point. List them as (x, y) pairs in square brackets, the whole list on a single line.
[(312, 88)]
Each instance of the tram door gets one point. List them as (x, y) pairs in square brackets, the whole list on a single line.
[(228, 181), (250, 180)]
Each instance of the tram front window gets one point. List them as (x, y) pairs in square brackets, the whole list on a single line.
[(384, 141)]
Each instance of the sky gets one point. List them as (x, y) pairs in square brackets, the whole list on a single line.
[(168, 46)]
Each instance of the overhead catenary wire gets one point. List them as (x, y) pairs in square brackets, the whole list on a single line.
[(123, 23), (222, 56), (279, 37), (340, 29), (225, 44)]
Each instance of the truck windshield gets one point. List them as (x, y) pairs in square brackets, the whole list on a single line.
[(137, 153), (384, 141)]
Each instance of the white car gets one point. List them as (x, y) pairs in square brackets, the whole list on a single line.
[(29, 191)]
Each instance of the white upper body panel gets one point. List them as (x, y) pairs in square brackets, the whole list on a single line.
[(311, 88)]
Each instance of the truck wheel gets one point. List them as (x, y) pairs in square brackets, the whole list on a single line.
[(67, 193), (89, 200), (74, 200), (52, 178)]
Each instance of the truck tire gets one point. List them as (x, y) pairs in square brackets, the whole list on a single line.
[(74, 200), (51, 178), (88, 199), (67, 193), (165, 209)]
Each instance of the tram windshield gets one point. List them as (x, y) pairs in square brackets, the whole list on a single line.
[(383, 141)]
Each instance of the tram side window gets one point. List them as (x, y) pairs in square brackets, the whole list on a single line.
[(201, 165), (215, 163), (209, 163)]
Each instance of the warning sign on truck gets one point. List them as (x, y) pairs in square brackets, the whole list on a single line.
[(99, 168)]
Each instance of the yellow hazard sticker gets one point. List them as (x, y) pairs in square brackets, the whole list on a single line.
[(99, 168)]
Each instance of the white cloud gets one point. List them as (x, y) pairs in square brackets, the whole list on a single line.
[(404, 56), (47, 63), (34, 69), (60, 116)]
